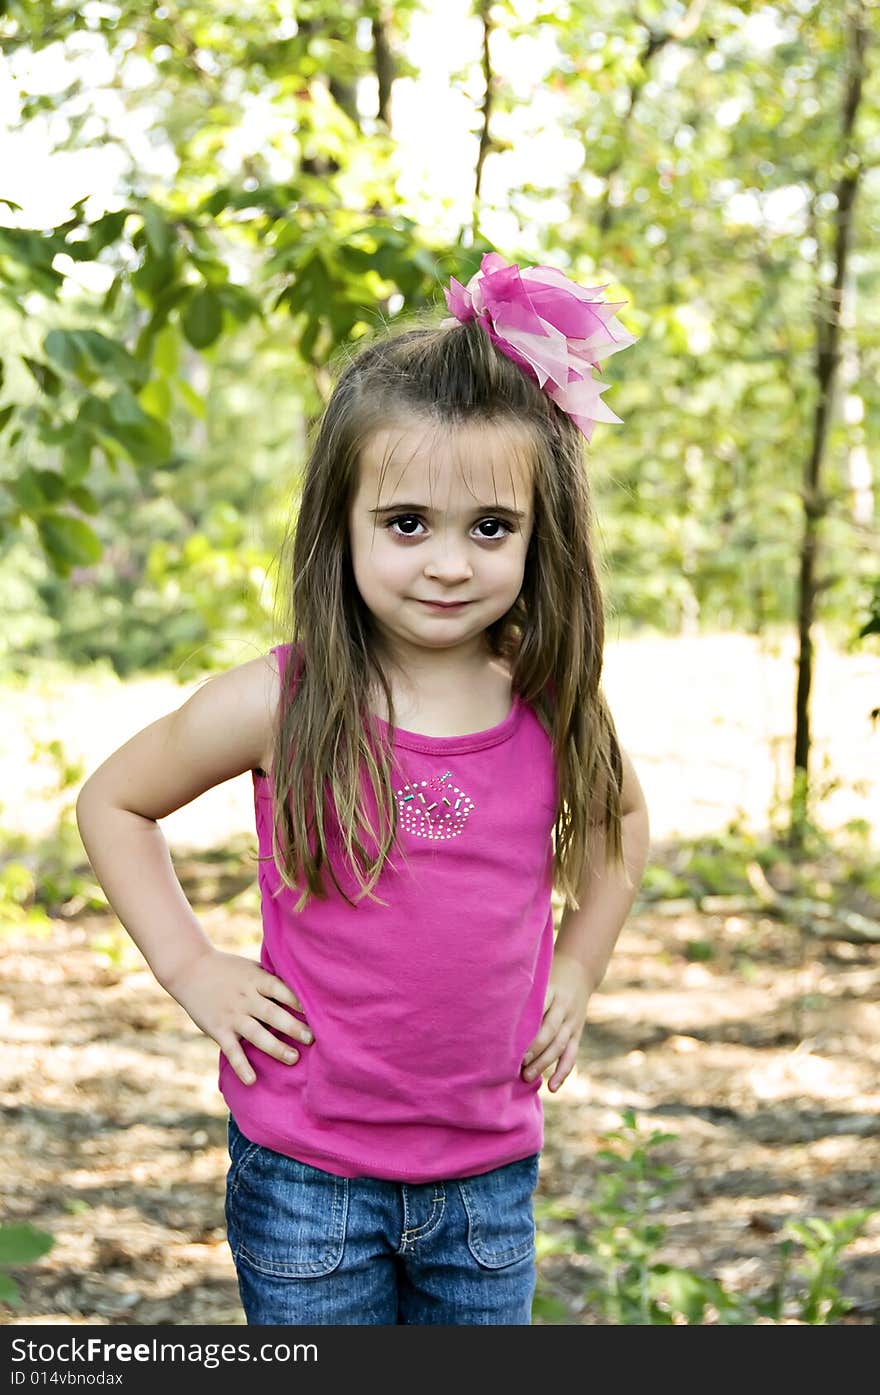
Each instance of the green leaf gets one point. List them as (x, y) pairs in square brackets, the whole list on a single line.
[(89, 354), (683, 1290), (62, 347), (69, 542), (8, 1287), (52, 485), (191, 399), (143, 436), (216, 202), (21, 1244), (77, 456), (84, 499), (238, 301), (153, 275), (27, 491), (112, 295), (46, 378), (6, 414), (308, 339), (155, 398), (140, 433), (158, 233), (105, 230), (166, 351), (551, 1309), (203, 318)]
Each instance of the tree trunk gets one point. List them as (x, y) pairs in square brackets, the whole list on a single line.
[(828, 300), (344, 95), (383, 61), (483, 10)]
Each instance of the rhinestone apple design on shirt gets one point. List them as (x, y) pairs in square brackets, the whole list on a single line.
[(436, 809)]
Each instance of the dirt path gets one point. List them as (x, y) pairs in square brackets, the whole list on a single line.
[(763, 1061)]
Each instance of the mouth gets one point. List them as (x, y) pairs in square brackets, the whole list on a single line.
[(445, 605)]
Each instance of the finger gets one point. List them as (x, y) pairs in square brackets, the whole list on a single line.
[(545, 1058), (258, 1036), (290, 1026), (565, 1066), (547, 1033), (549, 996), (237, 1059), (272, 987)]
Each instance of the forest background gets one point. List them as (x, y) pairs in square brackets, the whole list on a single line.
[(201, 206)]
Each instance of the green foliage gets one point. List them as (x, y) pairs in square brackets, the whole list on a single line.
[(18, 897), (108, 380), (710, 865), (300, 232), (661, 884), (823, 1241), (699, 951), (626, 1239), (40, 876), (725, 864), (19, 1245)]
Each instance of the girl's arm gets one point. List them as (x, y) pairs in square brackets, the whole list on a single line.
[(590, 933), (587, 936), (222, 731)]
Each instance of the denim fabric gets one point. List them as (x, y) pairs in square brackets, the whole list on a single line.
[(311, 1248)]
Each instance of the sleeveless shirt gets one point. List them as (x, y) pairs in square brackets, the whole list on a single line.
[(422, 1008)]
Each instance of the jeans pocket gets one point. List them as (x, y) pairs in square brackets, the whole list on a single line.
[(239, 1148), (284, 1218), (501, 1222)]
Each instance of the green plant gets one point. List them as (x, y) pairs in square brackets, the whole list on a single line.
[(638, 1288), (19, 1244), (823, 1242), (625, 1238), (45, 874)]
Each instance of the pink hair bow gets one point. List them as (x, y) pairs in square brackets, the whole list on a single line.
[(554, 329)]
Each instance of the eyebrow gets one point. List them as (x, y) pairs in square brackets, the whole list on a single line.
[(422, 508)]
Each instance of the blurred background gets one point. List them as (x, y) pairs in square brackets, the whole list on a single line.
[(201, 205)]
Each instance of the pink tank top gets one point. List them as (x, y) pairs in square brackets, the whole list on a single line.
[(421, 1009)]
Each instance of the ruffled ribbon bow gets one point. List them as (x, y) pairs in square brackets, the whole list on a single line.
[(554, 329)]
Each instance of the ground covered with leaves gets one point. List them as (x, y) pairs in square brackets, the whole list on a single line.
[(753, 1043)]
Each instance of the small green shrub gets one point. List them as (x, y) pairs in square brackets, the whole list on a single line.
[(19, 1244), (637, 1288)]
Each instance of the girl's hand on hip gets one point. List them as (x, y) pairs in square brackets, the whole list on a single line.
[(230, 998), (565, 1011)]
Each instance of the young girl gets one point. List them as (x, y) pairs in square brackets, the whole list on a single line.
[(431, 754)]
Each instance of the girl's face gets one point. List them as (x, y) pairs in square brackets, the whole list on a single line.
[(441, 515)]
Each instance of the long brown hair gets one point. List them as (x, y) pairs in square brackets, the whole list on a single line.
[(552, 638)]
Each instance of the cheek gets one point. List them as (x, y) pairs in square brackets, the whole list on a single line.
[(509, 562), (378, 562)]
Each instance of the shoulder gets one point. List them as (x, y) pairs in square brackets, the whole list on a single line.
[(242, 701), (250, 681), (222, 730), (272, 674)]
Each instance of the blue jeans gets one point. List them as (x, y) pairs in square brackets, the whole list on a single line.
[(311, 1248)]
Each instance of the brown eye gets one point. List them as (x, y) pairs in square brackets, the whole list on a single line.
[(495, 523), (404, 518)]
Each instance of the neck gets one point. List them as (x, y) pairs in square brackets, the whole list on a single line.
[(415, 669)]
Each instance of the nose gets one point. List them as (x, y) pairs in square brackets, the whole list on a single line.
[(448, 562)]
